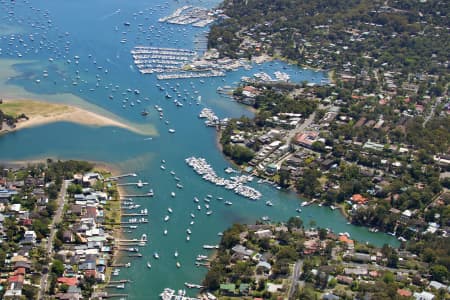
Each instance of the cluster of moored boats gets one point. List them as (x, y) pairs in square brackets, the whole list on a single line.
[(169, 294), (197, 16), (211, 118), (157, 60), (184, 75), (236, 183)]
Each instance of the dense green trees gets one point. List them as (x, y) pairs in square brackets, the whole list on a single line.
[(4, 118), (272, 102), (238, 153), (404, 38), (309, 183)]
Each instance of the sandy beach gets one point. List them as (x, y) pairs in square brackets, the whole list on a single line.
[(41, 113)]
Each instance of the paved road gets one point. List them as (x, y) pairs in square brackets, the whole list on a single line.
[(299, 128), (431, 114), (49, 247), (298, 267)]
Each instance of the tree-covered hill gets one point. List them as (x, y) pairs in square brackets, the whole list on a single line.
[(409, 35)]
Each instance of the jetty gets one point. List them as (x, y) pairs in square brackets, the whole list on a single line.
[(135, 215), (193, 285), (137, 195), (138, 184), (121, 176), (102, 295)]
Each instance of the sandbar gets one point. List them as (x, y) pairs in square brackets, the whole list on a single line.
[(41, 113)]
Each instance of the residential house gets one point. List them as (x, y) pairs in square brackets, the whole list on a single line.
[(423, 296)]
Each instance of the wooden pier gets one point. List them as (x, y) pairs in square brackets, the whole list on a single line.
[(135, 255), (120, 265), (137, 196), (127, 226), (102, 295), (120, 281), (135, 215), (115, 295), (137, 222), (133, 183), (200, 264), (121, 176), (130, 241)]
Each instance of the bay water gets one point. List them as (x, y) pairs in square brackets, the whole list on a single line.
[(79, 52)]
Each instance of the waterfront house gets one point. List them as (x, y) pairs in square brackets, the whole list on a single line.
[(73, 293), (358, 199), (265, 233), (239, 249)]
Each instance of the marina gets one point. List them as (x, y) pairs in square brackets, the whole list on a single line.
[(186, 74), (169, 294), (157, 60), (235, 183), (197, 16), (212, 119)]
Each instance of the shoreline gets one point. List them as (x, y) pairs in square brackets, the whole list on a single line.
[(41, 113), (298, 196), (116, 230)]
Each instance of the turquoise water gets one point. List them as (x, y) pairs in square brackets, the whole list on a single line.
[(50, 34)]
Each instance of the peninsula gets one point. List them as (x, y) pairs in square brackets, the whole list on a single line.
[(40, 113)]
